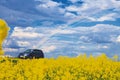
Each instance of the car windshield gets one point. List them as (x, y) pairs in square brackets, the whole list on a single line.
[(28, 51)]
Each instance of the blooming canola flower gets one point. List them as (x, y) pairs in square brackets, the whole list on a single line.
[(61, 68), (3, 33)]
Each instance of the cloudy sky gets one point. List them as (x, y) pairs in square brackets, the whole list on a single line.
[(62, 27)]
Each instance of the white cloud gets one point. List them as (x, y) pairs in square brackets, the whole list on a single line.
[(35, 37), (70, 15), (48, 49), (52, 10), (52, 32), (52, 4), (104, 27), (47, 23), (110, 16), (26, 35), (10, 50), (93, 11), (106, 17), (61, 10), (60, 31), (28, 32), (83, 47), (85, 38), (103, 47), (23, 43), (118, 39), (106, 4), (26, 29), (48, 4), (72, 8)]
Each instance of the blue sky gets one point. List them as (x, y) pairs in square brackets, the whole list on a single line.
[(62, 27)]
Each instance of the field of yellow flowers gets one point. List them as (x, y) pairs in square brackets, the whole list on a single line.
[(62, 68)]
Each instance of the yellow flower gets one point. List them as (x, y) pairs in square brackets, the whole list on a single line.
[(62, 68), (3, 33)]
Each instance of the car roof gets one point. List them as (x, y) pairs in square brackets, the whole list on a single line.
[(34, 49)]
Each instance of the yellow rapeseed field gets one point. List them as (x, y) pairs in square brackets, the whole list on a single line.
[(62, 68)]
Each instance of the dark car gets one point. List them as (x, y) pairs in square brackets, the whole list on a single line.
[(31, 53)]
